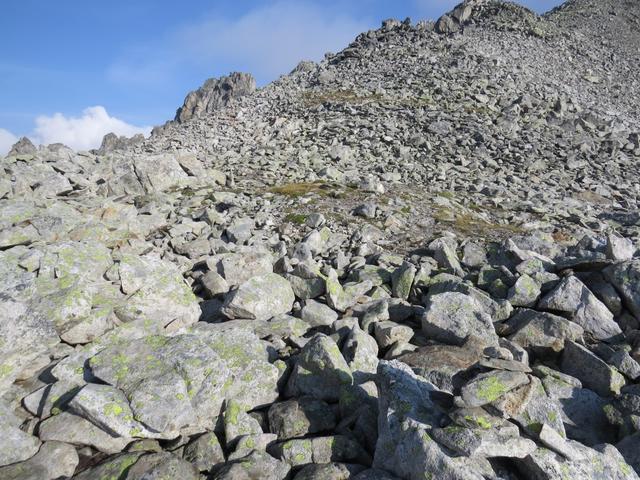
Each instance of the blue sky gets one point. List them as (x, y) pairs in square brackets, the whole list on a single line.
[(69, 69)]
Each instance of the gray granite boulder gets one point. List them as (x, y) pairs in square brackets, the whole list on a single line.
[(260, 298)]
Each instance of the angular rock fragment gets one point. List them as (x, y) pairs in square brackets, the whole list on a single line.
[(593, 372), (489, 387), (321, 370), (453, 317), (573, 298), (298, 418), (16, 445), (625, 277), (54, 460), (260, 298)]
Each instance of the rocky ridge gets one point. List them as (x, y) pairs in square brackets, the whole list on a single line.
[(415, 259)]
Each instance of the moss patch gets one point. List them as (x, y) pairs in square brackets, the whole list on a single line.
[(301, 189), (296, 218)]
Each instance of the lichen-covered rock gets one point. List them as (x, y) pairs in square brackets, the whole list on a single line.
[(496, 308), (329, 471), (489, 387), (625, 277), (112, 467), (318, 314), (15, 444), (162, 465), (572, 297), (158, 173), (402, 280), (54, 460), (255, 465), (238, 423), (504, 441), (407, 415), (541, 332), (444, 251), (109, 408), (240, 266), (172, 382), (204, 452), (321, 370), (593, 372), (453, 317), (68, 428), (524, 293), (441, 364), (360, 350), (582, 411), (260, 298), (603, 461), (336, 448), (387, 333), (530, 407), (298, 418), (156, 293)]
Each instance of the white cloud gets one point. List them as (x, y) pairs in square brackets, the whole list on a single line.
[(274, 38), (7, 139), (84, 132), (267, 41)]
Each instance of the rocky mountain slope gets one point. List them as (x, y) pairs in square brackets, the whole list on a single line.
[(415, 259)]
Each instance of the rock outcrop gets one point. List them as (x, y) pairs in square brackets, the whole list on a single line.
[(215, 94)]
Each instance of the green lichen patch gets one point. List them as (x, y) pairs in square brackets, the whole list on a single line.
[(490, 389)]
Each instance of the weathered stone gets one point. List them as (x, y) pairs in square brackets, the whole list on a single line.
[(453, 317), (407, 414), (321, 370), (524, 293), (54, 460), (540, 332), (446, 256), (489, 387), (68, 428), (204, 452), (112, 467), (157, 293), (594, 373), (238, 423), (387, 333), (255, 465), (214, 284), (494, 442), (441, 364), (260, 298), (16, 445), (318, 314), (619, 249), (215, 94), (625, 277), (572, 297), (360, 350), (336, 448), (184, 380), (606, 462), (402, 280), (298, 418), (329, 471)]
